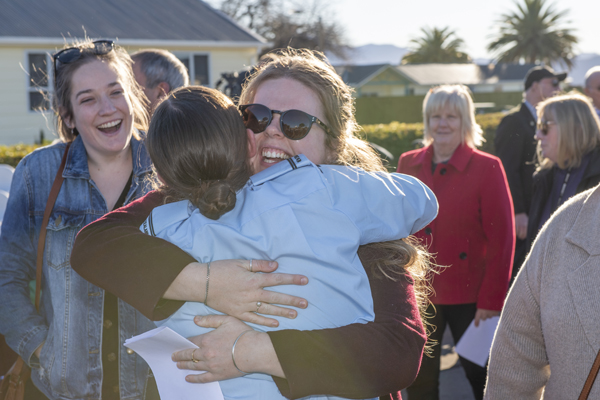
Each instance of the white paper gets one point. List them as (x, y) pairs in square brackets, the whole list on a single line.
[(475, 343), (156, 347)]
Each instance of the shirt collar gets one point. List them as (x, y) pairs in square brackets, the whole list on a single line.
[(531, 109), (77, 163), (459, 160)]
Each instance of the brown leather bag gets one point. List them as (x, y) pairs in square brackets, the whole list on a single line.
[(12, 386), (589, 382)]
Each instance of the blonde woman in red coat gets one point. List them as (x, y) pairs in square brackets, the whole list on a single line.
[(473, 236)]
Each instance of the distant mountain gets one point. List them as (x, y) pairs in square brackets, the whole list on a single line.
[(370, 54)]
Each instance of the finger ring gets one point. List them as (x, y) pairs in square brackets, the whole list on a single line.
[(250, 265), (258, 304), (193, 359)]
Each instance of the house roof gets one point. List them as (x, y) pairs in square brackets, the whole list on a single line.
[(435, 74), (129, 20), (354, 75)]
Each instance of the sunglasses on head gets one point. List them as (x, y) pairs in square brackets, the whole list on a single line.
[(543, 126), (72, 54), (294, 124)]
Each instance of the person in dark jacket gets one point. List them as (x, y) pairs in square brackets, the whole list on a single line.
[(515, 146), (568, 137)]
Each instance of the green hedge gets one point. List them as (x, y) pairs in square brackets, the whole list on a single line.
[(409, 109), (11, 155), (399, 137)]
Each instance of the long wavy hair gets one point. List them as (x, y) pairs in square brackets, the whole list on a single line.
[(408, 257)]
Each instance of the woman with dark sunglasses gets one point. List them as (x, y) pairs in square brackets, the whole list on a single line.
[(197, 143), (568, 156), (74, 344), (358, 360)]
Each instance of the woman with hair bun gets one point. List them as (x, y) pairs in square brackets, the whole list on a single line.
[(310, 218)]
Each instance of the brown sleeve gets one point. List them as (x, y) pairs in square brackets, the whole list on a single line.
[(359, 360), (115, 255)]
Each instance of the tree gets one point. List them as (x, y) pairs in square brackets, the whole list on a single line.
[(533, 34), (436, 46), (285, 23)]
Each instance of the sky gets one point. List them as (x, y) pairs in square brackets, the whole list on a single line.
[(398, 21)]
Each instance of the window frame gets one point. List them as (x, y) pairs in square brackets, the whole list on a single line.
[(29, 89), (190, 55)]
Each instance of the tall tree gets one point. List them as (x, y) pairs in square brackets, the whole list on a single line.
[(436, 46), (533, 34), (287, 23)]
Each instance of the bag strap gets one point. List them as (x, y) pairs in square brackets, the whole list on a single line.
[(589, 382), (42, 240)]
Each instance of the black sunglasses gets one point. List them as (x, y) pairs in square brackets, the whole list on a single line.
[(543, 126), (555, 82), (72, 54), (294, 124)]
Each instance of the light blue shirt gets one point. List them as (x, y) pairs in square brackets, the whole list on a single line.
[(311, 219)]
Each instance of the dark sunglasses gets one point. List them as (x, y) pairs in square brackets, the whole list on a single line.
[(543, 126), (72, 54), (555, 82), (294, 124)]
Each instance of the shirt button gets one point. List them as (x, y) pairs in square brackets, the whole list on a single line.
[(443, 171), (129, 351), (107, 323), (462, 255), (111, 357), (428, 231)]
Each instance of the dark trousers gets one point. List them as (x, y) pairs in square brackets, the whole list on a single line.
[(458, 318), (521, 249)]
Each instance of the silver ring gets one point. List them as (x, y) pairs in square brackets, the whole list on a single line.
[(258, 304), (250, 265), (193, 359)]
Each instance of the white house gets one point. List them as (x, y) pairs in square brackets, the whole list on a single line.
[(207, 41)]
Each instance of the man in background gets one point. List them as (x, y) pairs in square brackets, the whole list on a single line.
[(516, 147), (592, 86), (158, 72)]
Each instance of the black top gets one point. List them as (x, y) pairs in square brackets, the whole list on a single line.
[(515, 146)]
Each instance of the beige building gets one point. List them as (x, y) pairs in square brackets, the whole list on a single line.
[(208, 42)]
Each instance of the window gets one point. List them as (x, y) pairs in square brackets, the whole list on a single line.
[(38, 85), (197, 66)]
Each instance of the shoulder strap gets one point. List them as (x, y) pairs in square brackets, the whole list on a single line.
[(42, 240), (589, 382)]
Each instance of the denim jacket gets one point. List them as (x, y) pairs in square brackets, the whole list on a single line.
[(71, 315)]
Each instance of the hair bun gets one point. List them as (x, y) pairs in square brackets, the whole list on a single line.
[(214, 198)]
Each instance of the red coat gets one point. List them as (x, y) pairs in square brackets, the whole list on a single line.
[(473, 234)]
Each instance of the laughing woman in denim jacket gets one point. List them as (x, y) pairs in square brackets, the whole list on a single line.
[(73, 344)]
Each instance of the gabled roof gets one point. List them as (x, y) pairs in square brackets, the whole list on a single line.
[(130, 20), (435, 74), (505, 71), (357, 75)]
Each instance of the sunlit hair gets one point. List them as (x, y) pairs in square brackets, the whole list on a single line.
[(311, 70), (577, 125), (161, 66), (198, 145), (120, 62), (458, 99), (344, 147), (589, 74)]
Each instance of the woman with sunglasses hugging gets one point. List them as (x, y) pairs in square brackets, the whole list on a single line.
[(568, 156), (198, 143), (74, 343), (547, 338), (358, 360)]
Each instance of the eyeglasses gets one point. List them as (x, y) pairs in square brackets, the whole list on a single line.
[(543, 126), (555, 82), (294, 124), (72, 54)]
